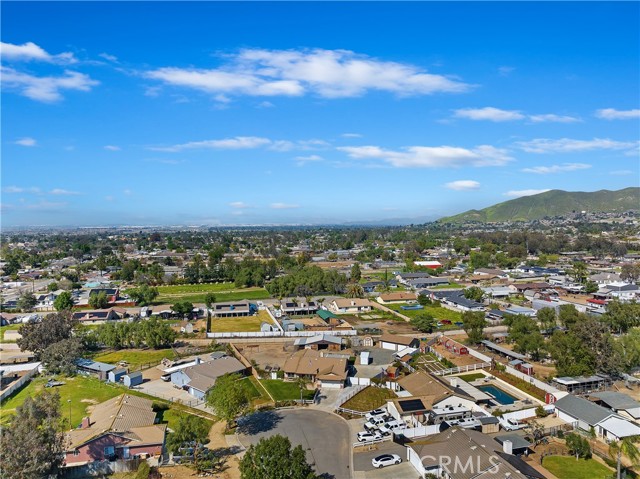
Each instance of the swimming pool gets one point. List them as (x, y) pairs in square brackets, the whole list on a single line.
[(499, 395)]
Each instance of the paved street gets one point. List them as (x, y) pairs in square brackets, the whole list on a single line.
[(324, 436)]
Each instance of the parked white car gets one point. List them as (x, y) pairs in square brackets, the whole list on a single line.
[(369, 436), (386, 460)]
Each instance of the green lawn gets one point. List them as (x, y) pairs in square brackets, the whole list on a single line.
[(195, 288), (81, 390), (137, 358), (437, 312), (471, 377), (10, 327), (283, 391), (240, 324), (369, 398), (567, 467), (198, 297)]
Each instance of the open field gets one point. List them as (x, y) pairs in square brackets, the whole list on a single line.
[(137, 358), (240, 324), (10, 327), (81, 390), (197, 292), (568, 467), (284, 391), (437, 312), (369, 398)]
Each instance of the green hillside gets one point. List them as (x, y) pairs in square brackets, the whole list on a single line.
[(553, 203)]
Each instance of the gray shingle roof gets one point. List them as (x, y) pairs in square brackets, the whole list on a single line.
[(616, 400), (582, 409)]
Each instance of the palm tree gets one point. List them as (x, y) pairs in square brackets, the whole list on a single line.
[(355, 290), (302, 382), (625, 447)]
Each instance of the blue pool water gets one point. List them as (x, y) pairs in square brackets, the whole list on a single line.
[(500, 396)]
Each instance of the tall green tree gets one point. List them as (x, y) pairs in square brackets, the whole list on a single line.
[(37, 337), (474, 293), (61, 357), (424, 322), (473, 325), (626, 447), (356, 274), (524, 332), (26, 302), (99, 300), (274, 458), (63, 301), (228, 398), (182, 307), (354, 290), (547, 318), (188, 429), (32, 445), (144, 295)]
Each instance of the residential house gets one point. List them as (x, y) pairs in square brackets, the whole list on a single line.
[(327, 372), (497, 291), (457, 300), (293, 308), (497, 273), (113, 294), (234, 309), (620, 291), (606, 424), (604, 279), (121, 428), (476, 456), (422, 283), (350, 305), (98, 316), (394, 298), (201, 377), (404, 278), (521, 310), (394, 342), (618, 402)]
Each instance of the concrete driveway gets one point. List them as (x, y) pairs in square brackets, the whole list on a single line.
[(364, 469), (324, 437)]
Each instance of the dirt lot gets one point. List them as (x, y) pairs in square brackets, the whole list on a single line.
[(266, 354), (456, 359)]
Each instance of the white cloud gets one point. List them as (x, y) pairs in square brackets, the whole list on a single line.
[(45, 89), (19, 189), (45, 206), (519, 193), (236, 143), (63, 192), (247, 143), (545, 170), (27, 141), (265, 104), (613, 114), (505, 70), (621, 172), (239, 205), (567, 145), (327, 73), (112, 148), (30, 51), (303, 160), (463, 185), (127, 192), (432, 157), (111, 58), (351, 135), (551, 117), (488, 113), (283, 206)]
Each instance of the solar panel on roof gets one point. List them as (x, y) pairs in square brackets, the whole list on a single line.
[(411, 405)]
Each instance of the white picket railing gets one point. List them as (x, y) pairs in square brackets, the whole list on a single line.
[(281, 334)]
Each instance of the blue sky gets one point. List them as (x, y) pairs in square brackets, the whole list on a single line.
[(259, 113)]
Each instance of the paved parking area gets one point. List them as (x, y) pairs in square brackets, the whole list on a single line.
[(324, 437), (362, 460)]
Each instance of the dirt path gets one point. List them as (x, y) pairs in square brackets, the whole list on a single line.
[(217, 441)]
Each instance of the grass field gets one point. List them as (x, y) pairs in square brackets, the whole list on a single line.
[(137, 358), (369, 398), (82, 391), (568, 467), (10, 327), (240, 324), (437, 313), (197, 292), (283, 391)]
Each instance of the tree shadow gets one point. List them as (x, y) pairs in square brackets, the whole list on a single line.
[(258, 422)]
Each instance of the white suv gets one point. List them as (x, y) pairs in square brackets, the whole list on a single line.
[(369, 436)]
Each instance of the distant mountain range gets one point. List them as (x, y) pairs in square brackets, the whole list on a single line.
[(553, 203)]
